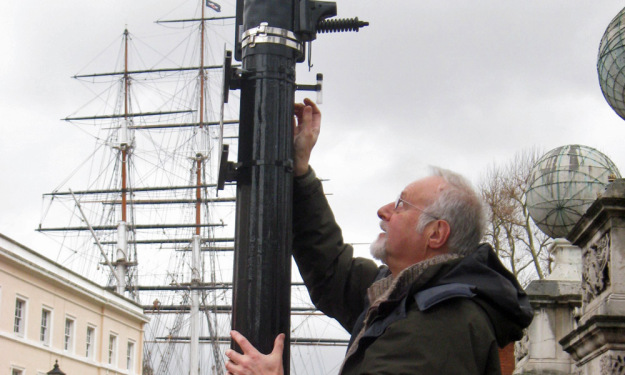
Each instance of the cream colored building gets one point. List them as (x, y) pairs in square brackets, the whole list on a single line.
[(49, 313)]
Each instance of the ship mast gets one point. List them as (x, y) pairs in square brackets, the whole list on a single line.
[(128, 218), (124, 146), (194, 325)]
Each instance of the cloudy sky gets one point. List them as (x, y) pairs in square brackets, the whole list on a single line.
[(461, 84)]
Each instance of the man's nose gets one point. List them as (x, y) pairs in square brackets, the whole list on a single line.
[(386, 211)]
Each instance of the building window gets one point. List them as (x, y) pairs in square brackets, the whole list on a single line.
[(90, 342), (44, 334), (112, 349), (130, 357), (19, 325), (17, 371), (68, 343)]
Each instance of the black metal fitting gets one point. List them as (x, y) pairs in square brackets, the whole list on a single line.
[(227, 169), (340, 25), (231, 76), (311, 13)]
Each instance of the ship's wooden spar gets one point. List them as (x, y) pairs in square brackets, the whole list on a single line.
[(171, 241), (226, 340), (184, 125), (197, 19), (135, 226), (126, 115), (131, 190), (204, 286), (150, 71)]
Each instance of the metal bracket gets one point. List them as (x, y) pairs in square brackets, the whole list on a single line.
[(265, 34), (227, 169), (231, 76), (287, 164), (318, 88), (311, 13)]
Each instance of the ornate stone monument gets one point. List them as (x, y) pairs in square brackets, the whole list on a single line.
[(564, 183), (598, 343)]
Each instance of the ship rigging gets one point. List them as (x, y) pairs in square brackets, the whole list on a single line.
[(142, 215)]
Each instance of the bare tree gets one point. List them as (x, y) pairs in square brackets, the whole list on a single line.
[(511, 231)]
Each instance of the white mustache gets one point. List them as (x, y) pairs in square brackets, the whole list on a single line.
[(383, 225)]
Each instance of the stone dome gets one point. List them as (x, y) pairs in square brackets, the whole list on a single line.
[(563, 184), (611, 64)]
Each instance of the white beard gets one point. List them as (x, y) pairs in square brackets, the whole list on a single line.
[(378, 249)]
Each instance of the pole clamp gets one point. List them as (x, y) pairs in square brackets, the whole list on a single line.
[(265, 34), (229, 171)]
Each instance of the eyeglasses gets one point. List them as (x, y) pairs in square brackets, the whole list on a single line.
[(399, 203)]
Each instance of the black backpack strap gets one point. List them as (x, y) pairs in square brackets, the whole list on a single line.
[(432, 296)]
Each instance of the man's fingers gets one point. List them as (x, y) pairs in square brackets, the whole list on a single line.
[(235, 369), (278, 344), (297, 109), (312, 104), (300, 108), (304, 115), (243, 343), (231, 366), (307, 114), (233, 356), (251, 361)]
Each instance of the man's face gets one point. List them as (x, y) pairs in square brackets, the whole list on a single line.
[(400, 245)]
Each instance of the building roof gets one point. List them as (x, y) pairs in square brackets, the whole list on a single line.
[(45, 268)]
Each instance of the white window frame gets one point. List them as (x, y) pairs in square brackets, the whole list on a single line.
[(112, 349), (130, 356), (69, 338), (19, 328), (20, 370), (90, 346), (47, 339)]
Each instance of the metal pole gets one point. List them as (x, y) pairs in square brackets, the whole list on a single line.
[(194, 327), (262, 294)]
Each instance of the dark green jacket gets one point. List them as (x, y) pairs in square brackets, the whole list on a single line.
[(451, 320)]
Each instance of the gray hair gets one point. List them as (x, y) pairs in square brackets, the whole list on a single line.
[(460, 206)]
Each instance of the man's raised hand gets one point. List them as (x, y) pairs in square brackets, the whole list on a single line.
[(306, 127)]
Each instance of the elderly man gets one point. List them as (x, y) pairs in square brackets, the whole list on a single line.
[(441, 304)]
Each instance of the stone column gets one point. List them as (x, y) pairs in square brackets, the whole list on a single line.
[(556, 302), (598, 343)]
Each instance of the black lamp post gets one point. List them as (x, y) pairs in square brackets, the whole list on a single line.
[(56, 370), (270, 37)]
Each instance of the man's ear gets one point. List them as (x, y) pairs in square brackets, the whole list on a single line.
[(439, 234)]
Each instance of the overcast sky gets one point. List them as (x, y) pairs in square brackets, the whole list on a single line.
[(460, 84)]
